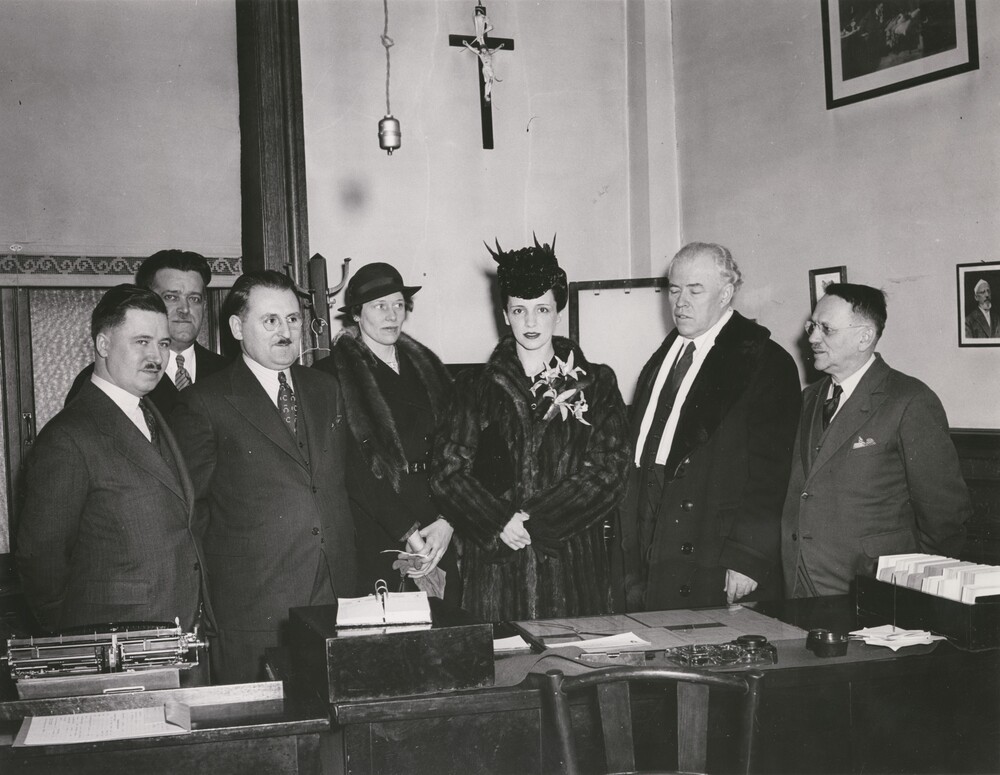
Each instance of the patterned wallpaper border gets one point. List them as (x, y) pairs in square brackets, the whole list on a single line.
[(93, 266)]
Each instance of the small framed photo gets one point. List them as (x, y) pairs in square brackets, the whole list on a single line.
[(820, 278), (978, 319), (874, 47)]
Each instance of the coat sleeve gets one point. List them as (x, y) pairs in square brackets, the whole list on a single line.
[(578, 500), (752, 546), (192, 426), (938, 494), (475, 512), (56, 487)]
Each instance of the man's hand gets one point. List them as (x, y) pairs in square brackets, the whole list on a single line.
[(432, 542), (515, 534), (738, 586)]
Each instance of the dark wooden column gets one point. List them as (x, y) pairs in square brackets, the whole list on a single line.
[(272, 166)]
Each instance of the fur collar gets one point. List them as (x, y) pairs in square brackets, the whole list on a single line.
[(368, 414)]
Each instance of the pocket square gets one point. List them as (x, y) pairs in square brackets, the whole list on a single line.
[(862, 443)]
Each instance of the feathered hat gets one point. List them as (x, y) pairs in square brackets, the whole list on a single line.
[(531, 271)]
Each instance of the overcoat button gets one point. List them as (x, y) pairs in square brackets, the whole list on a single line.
[(315, 531), (687, 505), (684, 590), (687, 548), (795, 536), (805, 496)]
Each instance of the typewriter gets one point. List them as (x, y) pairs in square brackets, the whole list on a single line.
[(134, 656)]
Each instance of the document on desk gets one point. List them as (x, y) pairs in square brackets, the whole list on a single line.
[(172, 718)]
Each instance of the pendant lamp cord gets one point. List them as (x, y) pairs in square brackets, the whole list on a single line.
[(388, 43)]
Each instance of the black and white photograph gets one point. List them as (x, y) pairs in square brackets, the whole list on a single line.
[(874, 47), (820, 278), (978, 320)]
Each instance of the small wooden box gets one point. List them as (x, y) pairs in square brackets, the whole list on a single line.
[(393, 662), (975, 627)]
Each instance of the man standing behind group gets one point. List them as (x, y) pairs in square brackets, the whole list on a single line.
[(180, 278), (713, 424), (874, 470), (105, 532), (264, 440)]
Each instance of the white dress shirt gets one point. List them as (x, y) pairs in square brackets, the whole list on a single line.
[(268, 378), (702, 347), (848, 385), (125, 401)]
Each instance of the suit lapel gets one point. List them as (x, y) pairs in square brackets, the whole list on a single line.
[(808, 436), (248, 397), (866, 398), (132, 445), (645, 383)]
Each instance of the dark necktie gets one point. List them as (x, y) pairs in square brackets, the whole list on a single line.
[(677, 372), (830, 405), (154, 431), (665, 402), (286, 403), (182, 379)]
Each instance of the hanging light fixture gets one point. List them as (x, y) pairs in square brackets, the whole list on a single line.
[(389, 135)]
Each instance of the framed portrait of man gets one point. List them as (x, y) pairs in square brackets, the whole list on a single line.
[(978, 319)]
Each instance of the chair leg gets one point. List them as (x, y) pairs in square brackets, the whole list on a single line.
[(692, 727), (753, 679), (560, 720)]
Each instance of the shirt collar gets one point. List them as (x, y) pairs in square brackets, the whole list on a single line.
[(125, 401), (704, 342), (852, 381), (268, 377)]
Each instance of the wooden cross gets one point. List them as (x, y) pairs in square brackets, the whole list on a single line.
[(479, 43)]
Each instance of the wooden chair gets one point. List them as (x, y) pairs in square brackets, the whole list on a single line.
[(612, 685)]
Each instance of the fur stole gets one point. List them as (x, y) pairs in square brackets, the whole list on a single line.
[(368, 414)]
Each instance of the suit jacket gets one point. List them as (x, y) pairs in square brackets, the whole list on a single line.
[(976, 326), (274, 516), (719, 504), (105, 532), (164, 395), (883, 479)]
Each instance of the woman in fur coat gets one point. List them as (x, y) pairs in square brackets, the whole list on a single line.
[(395, 391), (533, 455)]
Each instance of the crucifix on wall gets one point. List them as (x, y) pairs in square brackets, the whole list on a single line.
[(484, 47)]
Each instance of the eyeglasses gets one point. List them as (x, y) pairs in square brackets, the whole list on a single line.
[(825, 330), (271, 322)]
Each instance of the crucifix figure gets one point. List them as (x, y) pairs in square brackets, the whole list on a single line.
[(484, 47)]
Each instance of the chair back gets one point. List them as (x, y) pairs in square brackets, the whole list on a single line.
[(615, 709)]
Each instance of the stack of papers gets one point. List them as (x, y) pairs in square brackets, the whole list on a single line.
[(894, 637), (626, 641)]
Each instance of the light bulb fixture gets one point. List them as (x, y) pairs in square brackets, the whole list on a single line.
[(390, 136)]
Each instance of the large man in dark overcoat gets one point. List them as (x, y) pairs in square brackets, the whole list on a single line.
[(265, 440), (713, 423), (105, 534)]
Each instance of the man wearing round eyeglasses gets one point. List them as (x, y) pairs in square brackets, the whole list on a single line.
[(874, 470), (264, 440)]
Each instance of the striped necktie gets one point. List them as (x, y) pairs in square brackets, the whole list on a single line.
[(182, 379)]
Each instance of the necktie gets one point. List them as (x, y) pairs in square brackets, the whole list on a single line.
[(830, 405), (665, 403), (154, 431), (286, 402), (680, 368), (182, 379)]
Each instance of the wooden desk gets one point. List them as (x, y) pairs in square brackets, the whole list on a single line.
[(239, 729), (907, 713)]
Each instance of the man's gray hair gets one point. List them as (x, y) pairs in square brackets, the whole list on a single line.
[(724, 261)]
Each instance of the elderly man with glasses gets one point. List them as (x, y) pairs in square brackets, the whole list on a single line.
[(265, 442), (874, 470)]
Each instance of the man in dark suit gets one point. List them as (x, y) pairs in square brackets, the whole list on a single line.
[(713, 425), (981, 323), (180, 278), (264, 440), (874, 470), (105, 534)]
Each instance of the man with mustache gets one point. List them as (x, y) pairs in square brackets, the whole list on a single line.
[(105, 533), (981, 323), (180, 278), (713, 424), (874, 470), (265, 440)]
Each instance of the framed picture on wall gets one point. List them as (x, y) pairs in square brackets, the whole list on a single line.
[(874, 47), (820, 278), (978, 319)]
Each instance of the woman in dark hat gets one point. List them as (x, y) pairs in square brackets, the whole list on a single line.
[(395, 391), (532, 457)]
